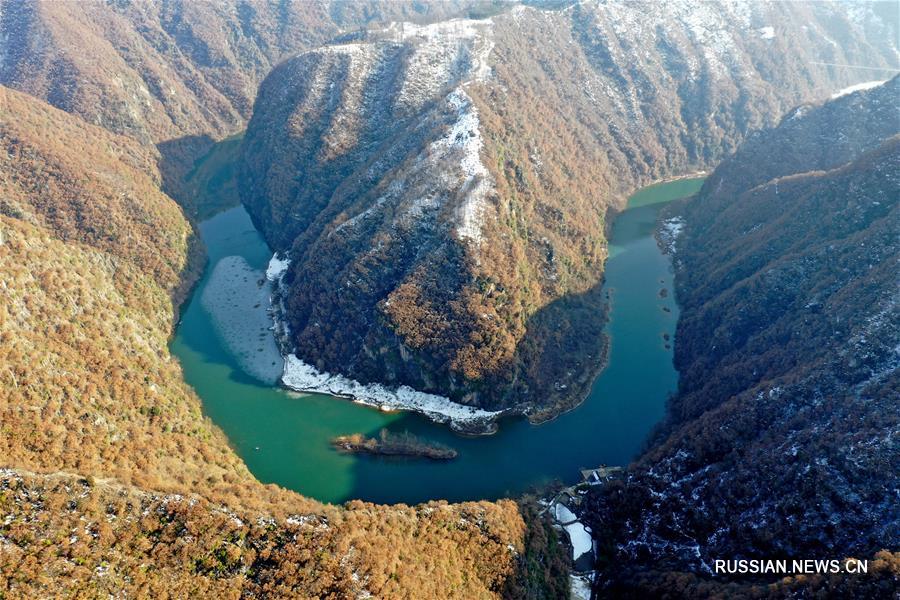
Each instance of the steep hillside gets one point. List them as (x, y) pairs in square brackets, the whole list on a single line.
[(176, 74), (93, 256), (112, 480), (443, 191), (94, 537), (781, 440)]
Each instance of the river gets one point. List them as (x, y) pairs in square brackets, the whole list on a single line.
[(229, 358)]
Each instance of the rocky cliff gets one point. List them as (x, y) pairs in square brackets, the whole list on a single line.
[(780, 441), (443, 190)]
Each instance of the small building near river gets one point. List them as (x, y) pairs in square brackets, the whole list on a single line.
[(601, 474)]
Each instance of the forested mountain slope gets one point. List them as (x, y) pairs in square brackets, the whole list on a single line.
[(443, 190), (781, 439), (90, 537), (453, 197), (177, 74), (111, 477), (93, 256)]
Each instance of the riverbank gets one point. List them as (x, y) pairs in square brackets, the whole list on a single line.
[(300, 376), (285, 437), (303, 377)]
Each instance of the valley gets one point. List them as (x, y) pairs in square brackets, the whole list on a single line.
[(332, 299), (285, 437)]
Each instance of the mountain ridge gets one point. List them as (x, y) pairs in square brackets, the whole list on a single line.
[(111, 477), (779, 441), (450, 253)]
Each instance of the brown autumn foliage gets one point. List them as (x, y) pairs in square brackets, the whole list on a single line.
[(92, 536), (175, 74), (581, 107), (91, 255)]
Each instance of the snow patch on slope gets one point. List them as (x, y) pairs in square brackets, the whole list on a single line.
[(277, 267), (464, 138), (580, 538), (579, 535), (866, 85), (563, 514), (303, 377), (445, 52), (579, 587)]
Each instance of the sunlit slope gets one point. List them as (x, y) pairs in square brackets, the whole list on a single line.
[(97, 425)]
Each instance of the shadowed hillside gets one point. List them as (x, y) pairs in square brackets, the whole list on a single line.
[(780, 440), (437, 186)]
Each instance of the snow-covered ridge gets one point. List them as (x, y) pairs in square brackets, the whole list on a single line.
[(465, 138), (437, 61), (444, 55), (445, 52), (301, 377)]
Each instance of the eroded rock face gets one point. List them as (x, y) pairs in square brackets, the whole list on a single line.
[(443, 190), (781, 440)]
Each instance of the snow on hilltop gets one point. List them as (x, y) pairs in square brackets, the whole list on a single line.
[(445, 57), (455, 49), (436, 61)]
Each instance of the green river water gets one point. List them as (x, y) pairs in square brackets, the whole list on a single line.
[(228, 357)]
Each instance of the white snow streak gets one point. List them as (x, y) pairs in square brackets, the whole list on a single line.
[(867, 85), (303, 377), (464, 136), (277, 267), (579, 587)]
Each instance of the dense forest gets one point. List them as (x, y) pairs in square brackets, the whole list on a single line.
[(175, 75), (92, 536), (780, 439), (112, 479), (444, 190)]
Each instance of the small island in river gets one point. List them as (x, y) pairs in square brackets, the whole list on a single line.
[(393, 444)]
